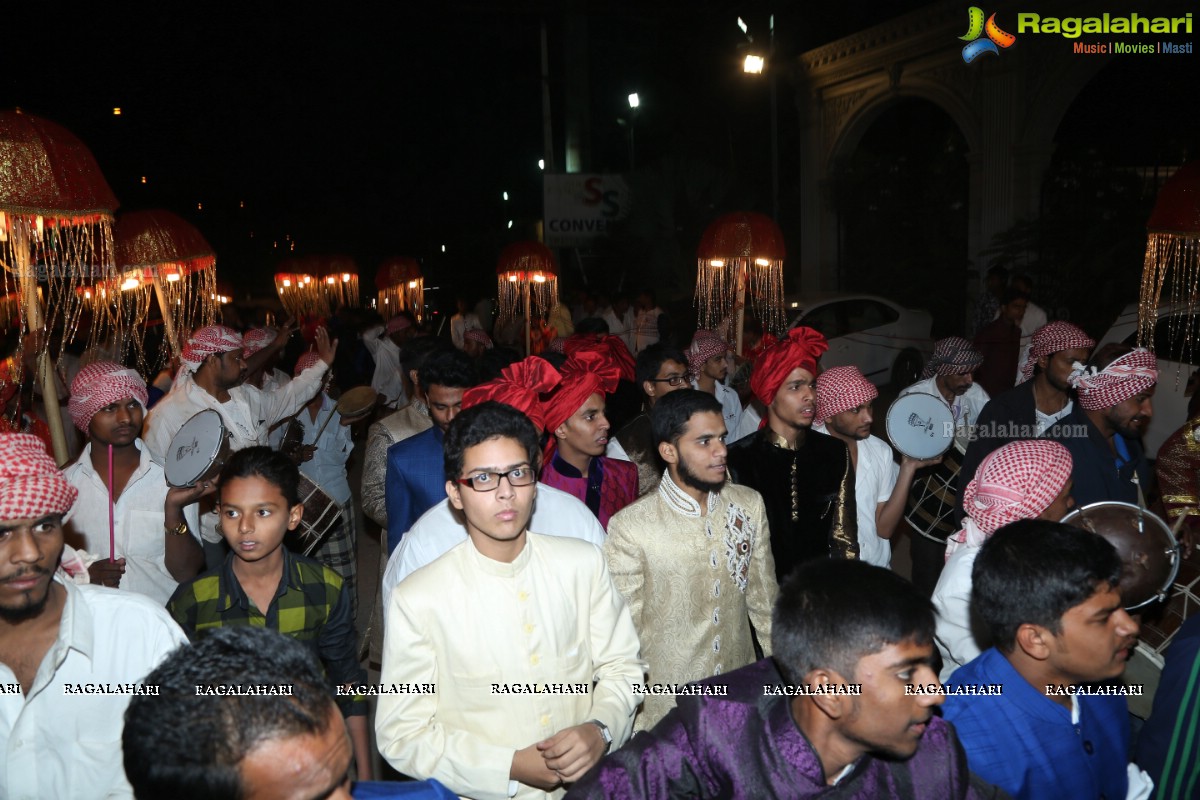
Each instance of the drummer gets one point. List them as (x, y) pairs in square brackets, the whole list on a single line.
[(213, 366), (157, 543), (322, 459), (949, 376), (844, 411), (1028, 479)]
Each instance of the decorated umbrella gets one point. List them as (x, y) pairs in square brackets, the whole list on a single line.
[(300, 290), (1173, 249), (527, 275), (55, 227), (401, 287), (339, 280), (159, 250), (739, 251)]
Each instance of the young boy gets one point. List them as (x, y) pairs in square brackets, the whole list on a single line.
[(262, 583)]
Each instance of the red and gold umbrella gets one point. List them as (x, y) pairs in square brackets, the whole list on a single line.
[(339, 280), (739, 252), (1173, 250), (526, 279), (55, 229), (401, 287), (299, 289)]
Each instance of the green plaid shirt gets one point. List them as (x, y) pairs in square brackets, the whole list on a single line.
[(310, 605)]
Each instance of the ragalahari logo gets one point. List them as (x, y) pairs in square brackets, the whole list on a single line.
[(996, 38)]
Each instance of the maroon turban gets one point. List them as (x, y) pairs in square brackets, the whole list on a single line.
[(800, 348)]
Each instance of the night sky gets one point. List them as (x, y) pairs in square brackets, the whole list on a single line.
[(374, 132)]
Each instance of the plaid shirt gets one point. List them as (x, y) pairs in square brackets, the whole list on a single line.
[(310, 605)]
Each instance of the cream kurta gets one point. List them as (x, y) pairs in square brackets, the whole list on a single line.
[(471, 627), (691, 581)]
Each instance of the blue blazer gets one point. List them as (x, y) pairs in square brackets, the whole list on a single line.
[(416, 481)]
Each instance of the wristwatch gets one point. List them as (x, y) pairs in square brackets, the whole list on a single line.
[(178, 530), (604, 732)]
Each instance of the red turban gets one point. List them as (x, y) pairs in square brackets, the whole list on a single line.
[(800, 348), (519, 385), (611, 346), (586, 372), (103, 383), (30, 484)]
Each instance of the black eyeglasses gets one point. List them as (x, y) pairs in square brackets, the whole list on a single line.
[(674, 380), (490, 481)]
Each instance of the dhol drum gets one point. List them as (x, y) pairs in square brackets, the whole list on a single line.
[(1148, 550), (357, 403), (1160, 623), (198, 450), (321, 515), (922, 426)]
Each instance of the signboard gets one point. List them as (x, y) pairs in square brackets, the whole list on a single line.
[(580, 209)]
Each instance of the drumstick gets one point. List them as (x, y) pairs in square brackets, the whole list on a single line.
[(112, 530)]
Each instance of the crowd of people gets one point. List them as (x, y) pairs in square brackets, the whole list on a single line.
[(627, 566)]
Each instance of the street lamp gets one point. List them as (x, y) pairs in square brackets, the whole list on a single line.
[(634, 102), (754, 64)]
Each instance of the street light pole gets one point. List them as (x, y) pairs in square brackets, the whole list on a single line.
[(774, 128)]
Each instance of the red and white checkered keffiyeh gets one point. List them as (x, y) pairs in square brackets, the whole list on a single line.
[(1130, 374), (209, 340), (1018, 481), (256, 339), (102, 383), (953, 355), (305, 361), (841, 389), (705, 345), (477, 335), (558, 345), (1051, 338), (31, 486)]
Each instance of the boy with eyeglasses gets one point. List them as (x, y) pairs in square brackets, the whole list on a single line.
[(514, 653), (660, 369)]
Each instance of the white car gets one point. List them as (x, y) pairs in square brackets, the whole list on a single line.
[(887, 342), (1170, 404)]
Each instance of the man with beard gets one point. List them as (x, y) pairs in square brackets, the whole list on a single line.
[(693, 559), (1059, 727), (211, 375), (157, 544), (805, 477), (1104, 430), (832, 715), (845, 412), (70, 656), (660, 369), (950, 375), (1030, 408), (574, 459)]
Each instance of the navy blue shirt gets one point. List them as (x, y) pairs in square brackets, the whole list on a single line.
[(1098, 472)]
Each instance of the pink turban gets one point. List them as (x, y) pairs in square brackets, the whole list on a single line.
[(103, 383), (208, 341), (519, 386), (30, 484), (1132, 373), (1051, 338), (1018, 481), (800, 348), (841, 389)]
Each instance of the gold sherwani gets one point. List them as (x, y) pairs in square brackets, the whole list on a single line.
[(395, 427), (691, 580)]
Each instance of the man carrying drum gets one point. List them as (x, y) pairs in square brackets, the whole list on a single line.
[(844, 411), (213, 366), (949, 377)]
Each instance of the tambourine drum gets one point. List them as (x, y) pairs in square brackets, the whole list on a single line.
[(357, 402), (922, 426), (1148, 550), (198, 450), (321, 516)]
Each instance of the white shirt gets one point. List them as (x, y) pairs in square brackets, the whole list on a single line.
[(275, 380), (387, 376), (139, 522), (459, 325), (952, 600), (67, 746), (747, 425), (875, 475), (327, 467), (731, 406), (621, 326), (466, 625), (440, 528), (645, 328), (247, 415), (966, 407)]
